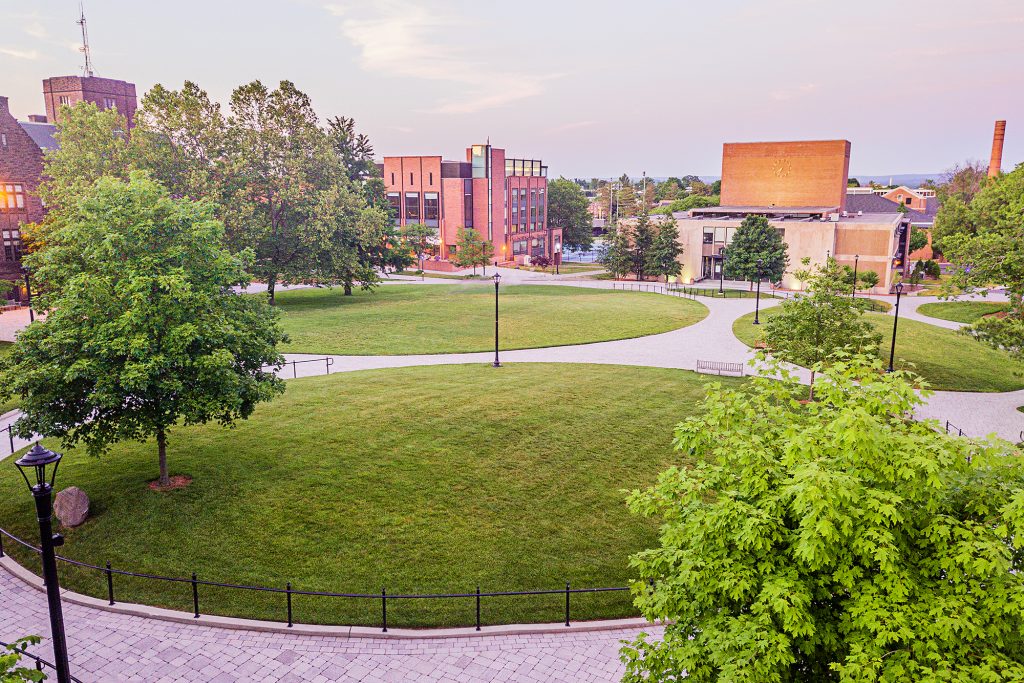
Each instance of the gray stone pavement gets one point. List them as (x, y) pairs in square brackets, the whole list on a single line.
[(106, 647)]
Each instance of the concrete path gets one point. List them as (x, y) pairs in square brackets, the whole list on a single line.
[(105, 647)]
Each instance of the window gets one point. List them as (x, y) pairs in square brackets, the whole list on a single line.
[(65, 100), (709, 235), (519, 247), (431, 209), (109, 103), (410, 178), (480, 161), (431, 178), (412, 207), (3, 140), (13, 197), (467, 203), (908, 201), (392, 178), (720, 234), (395, 202)]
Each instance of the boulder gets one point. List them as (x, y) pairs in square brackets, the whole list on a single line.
[(71, 506)]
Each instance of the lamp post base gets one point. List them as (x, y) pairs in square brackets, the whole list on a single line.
[(495, 364)]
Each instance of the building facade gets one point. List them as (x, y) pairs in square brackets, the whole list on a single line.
[(22, 147), (503, 199), (800, 187)]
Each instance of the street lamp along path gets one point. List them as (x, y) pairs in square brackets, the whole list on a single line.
[(34, 463)]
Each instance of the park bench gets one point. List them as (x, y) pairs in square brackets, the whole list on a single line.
[(719, 368)]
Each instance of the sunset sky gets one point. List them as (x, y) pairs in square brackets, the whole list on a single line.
[(594, 88)]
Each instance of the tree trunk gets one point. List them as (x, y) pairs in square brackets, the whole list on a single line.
[(348, 289), (271, 287), (751, 286), (161, 444), (810, 394)]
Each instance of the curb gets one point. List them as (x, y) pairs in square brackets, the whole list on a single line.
[(158, 613)]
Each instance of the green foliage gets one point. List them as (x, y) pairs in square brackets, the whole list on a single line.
[(10, 669), (616, 252), (419, 239), (831, 541), (813, 328), (143, 330), (852, 182), (693, 201), (918, 239), (472, 250), (756, 240), (567, 209), (641, 241), (663, 259), (993, 253), (867, 279)]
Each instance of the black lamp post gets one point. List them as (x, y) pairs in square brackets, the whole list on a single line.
[(895, 320), (856, 260), (497, 281), (757, 304), (37, 460), (28, 297)]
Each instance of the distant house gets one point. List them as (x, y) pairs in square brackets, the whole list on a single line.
[(921, 206)]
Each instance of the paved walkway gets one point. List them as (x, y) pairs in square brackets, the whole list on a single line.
[(111, 648)]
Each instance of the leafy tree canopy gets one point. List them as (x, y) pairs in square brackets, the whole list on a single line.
[(144, 331), (756, 240), (832, 541), (472, 250), (567, 209)]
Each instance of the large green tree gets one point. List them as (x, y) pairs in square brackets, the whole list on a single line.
[(815, 327), (567, 209), (756, 240), (641, 235), (472, 250), (835, 541), (616, 251), (663, 258), (144, 331), (994, 254)]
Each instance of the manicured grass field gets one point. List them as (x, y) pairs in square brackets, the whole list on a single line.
[(966, 312), (420, 480), (411, 319), (949, 360)]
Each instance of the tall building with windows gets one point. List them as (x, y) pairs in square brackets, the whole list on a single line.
[(503, 198)]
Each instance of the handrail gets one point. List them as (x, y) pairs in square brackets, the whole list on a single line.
[(383, 596), (327, 360), (40, 662)]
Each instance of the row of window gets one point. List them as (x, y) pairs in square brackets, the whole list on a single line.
[(12, 196), (720, 234), (527, 208), (525, 167), (531, 246), (430, 178), (108, 102)]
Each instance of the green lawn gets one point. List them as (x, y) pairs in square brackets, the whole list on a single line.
[(409, 319), (966, 312), (11, 403), (569, 267), (420, 480), (949, 360), (726, 293)]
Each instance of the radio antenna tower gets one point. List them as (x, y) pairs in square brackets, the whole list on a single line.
[(87, 67)]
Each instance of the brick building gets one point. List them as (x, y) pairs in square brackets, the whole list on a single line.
[(801, 188), (22, 146), (504, 199)]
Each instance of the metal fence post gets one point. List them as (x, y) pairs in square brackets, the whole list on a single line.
[(295, 370), (1, 545), (327, 364), (566, 603), (384, 608), (10, 437), (110, 584), (289, 591), (478, 608), (195, 597)]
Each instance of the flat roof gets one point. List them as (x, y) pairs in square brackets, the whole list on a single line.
[(766, 209)]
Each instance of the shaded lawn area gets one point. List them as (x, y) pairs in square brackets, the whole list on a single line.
[(950, 361), (420, 480), (966, 312), (13, 402), (414, 319)]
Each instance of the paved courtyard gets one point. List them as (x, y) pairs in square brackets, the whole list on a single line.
[(113, 648)]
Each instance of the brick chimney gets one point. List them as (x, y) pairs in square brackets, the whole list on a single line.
[(4, 107), (38, 118), (995, 165)]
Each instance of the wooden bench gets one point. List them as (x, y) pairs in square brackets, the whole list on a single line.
[(719, 368)]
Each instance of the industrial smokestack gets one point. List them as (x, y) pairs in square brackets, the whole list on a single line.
[(995, 165)]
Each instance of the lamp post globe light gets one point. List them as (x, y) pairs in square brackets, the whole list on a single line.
[(497, 281), (757, 303), (895, 320), (33, 465)]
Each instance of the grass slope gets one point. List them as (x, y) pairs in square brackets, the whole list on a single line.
[(966, 312), (426, 479), (412, 319), (948, 360)]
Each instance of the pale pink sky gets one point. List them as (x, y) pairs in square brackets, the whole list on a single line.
[(594, 88)]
